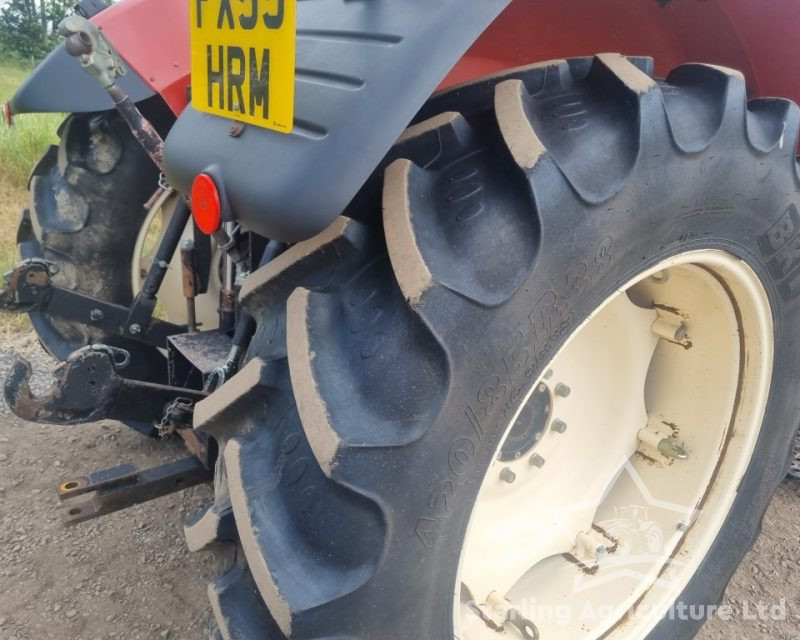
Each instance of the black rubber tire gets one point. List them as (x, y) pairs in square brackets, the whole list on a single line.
[(86, 210), (355, 439)]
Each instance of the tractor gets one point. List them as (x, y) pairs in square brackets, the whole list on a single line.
[(633, 530), (426, 309)]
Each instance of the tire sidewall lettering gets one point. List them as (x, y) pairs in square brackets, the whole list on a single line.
[(500, 392)]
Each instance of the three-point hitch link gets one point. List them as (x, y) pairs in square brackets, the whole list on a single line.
[(87, 387), (29, 287)]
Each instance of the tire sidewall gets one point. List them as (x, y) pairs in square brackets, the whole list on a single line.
[(96, 257)]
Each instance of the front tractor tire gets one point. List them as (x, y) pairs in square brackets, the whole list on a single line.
[(577, 299), (87, 197)]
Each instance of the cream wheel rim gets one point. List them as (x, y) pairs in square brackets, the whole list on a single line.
[(172, 304), (617, 473)]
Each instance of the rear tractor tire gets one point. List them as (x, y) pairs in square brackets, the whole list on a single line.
[(87, 198), (577, 298)]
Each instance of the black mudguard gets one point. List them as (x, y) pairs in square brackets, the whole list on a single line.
[(60, 85), (363, 71)]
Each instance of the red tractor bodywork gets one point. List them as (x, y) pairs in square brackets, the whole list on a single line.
[(153, 38), (755, 37)]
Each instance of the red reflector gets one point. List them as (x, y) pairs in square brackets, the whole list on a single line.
[(206, 208)]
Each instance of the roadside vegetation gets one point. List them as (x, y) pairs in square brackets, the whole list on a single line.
[(20, 148)]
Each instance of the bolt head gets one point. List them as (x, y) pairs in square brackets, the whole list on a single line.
[(95, 315), (135, 329), (536, 461), (507, 475), (671, 448), (562, 390), (559, 426)]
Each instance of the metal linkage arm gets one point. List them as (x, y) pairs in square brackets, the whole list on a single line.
[(29, 287), (124, 486)]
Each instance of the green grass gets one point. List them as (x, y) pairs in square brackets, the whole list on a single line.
[(20, 148)]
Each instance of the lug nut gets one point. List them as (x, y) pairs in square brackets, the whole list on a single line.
[(562, 390), (559, 426), (507, 475), (536, 461), (671, 448), (548, 374)]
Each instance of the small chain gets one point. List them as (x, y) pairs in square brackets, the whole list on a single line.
[(162, 182), (175, 416)]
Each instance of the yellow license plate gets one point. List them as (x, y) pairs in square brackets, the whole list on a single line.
[(243, 60)]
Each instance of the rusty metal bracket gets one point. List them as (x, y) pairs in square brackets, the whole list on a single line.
[(27, 285), (87, 388), (124, 486)]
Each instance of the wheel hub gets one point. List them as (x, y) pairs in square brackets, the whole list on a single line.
[(529, 426)]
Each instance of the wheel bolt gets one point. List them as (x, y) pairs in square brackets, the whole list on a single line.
[(507, 475), (559, 426), (669, 330), (666, 446), (593, 543), (536, 461), (671, 448), (562, 390)]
